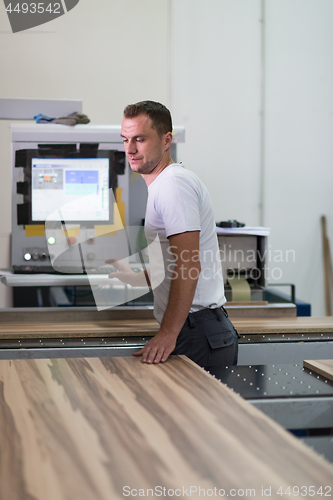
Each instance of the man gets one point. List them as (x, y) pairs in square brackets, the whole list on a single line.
[(188, 303)]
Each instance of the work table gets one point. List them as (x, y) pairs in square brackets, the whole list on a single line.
[(88, 428), (63, 328)]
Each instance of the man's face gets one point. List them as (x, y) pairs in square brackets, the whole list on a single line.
[(144, 148)]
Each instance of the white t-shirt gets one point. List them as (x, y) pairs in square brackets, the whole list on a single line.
[(178, 202)]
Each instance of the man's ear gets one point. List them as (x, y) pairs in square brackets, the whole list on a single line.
[(167, 140)]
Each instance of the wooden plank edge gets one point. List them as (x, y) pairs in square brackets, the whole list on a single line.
[(309, 364)]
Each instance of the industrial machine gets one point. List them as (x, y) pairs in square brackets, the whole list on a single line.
[(76, 204), (73, 197), (244, 260)]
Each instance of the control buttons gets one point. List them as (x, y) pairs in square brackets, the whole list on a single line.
[(51, 240), (72, 240), (37, 254)]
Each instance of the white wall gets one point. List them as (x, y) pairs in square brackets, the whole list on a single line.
[(299, 138), (107, 54), (216, 95)]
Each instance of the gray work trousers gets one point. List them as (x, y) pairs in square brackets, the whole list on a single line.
[(209, 339)]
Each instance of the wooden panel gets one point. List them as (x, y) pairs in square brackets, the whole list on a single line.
[(287, 310), (115, 328), (91, 314), (300, 324), (247, 304), (148, 327), (72, 314), (323, 367), (86, 428)]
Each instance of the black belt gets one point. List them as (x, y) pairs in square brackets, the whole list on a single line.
[(208, 313)]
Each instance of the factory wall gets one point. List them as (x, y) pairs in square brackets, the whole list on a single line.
[(257, 103), (256, 100), (216, 95), (298, 138)]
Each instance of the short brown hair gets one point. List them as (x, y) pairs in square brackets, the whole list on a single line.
[(157, 112)]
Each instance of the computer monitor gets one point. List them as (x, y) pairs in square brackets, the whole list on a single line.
[(70, 189)]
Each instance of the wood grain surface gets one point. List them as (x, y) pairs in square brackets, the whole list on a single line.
[(111, 328), (300, 324), (84, 429), (148, 327), (323, 367)]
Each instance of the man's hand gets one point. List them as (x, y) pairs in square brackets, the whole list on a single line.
[(158, 348), (125, 274)]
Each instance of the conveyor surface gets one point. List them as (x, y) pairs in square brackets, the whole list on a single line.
[(273, 381)]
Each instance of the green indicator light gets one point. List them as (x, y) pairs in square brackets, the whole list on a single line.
[(51, 240)]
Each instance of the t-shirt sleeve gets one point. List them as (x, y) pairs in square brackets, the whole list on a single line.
[(178, 204)]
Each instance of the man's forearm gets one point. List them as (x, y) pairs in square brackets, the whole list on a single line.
[(185, 247), (182, 290)]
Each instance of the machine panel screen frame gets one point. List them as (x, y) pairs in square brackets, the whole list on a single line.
[(54, 153)]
